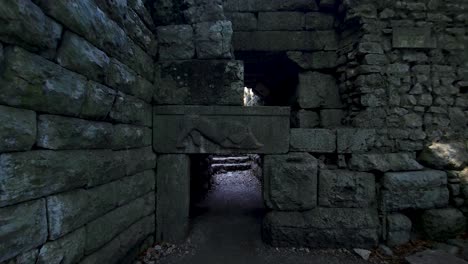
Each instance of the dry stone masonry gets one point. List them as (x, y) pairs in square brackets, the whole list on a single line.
[(104, 103)]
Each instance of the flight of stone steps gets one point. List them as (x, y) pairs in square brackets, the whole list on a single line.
[(221, 164)]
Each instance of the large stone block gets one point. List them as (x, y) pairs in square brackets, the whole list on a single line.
[(318, 90), (137, 160), (103, 229), (202, 11), (122, 78), (342, 188), (132, 187), (351, 140), (66, 250), (305, 119), (128, 136), (176, 42), (314, 60), (414, 190), (105, 166), (398, 229), (23, 227), (33, 174), (32, 82), (319, 21), (128, 109), (270, 5), (204, 129), (443, 224), (98, 101), (331, 118), (384, 162), (290, 182), (133, 237), (25, 24), (242, 21), (313, 140), (139, 32), (411, 37), (17, 129), (280, 21), (213, 40), (438, 155), (285, 40), (200, 82), (172, 201), (78, 55), (323, 228), (57, 132)]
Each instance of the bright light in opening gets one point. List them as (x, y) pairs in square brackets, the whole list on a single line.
[(248, 96)]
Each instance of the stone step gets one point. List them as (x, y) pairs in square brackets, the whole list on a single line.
[(233, 159), (230, 167)]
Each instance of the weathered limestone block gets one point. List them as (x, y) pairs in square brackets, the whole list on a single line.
[(414, 190), (17, 129), (25, 24), (132, 187), (103, 229), (137, 160), (216, 129), (305, 119), (342, 188), (203, 11), (66, 250), (314, 60), (128, 136), (270, 5), (351, 140), (78, 55), (319, 21), (176, 42), (331, 118), (131, 110), (442, 224), (411, 37), (290, 182), (438, 155), (213, 39), (280, 21), (98, 101), (384, 162), (122, 78), (172, 201), (398, 229), (32, 82), (323, 228), (57, 132), (318, 90), (285, 40), (200, 82), (313, 140), (242, 21), (24, 227), (33, 174)]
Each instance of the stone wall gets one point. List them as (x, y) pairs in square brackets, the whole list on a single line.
[(76, 165)]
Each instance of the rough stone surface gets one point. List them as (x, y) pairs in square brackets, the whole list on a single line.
[(318, 90), (128, 136), (346, 189), (213, 82), (201, 11), (314, 60), (131, 110), (434, 257), (132, 187), (134, 160), (32, 82), (415, 190), (355, 140), (270, 5), (305, 119), (318, 21), (24, 23), (313, 140), (331, 118), (33, 174), (280, 21), (176, 42), (323, 228), (80, 56), (173, 201), (98, 101), (213, 39), (24, 227), (17, 129), (442, 224), (398, 229), (408, 37), (290, 182), (56, 132), (200, 129), (69, 249), (384, 162), (242, 21), (453, 155)]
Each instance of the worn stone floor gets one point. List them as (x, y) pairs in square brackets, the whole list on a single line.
[(228, 229)]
